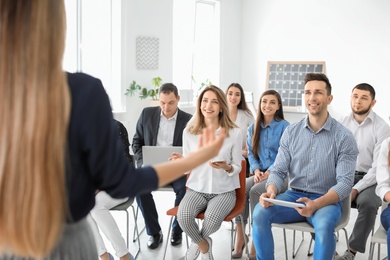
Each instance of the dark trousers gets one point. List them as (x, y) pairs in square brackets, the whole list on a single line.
[(149, 211)]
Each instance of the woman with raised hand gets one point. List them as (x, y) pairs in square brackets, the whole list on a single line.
[(383, 186), (211, 186), (263, 143), (59, 143)]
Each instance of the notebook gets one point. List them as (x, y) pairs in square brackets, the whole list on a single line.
[(153, 155)]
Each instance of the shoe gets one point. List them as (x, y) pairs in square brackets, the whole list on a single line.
[(239, 255), (176, 239), (155, 241), (209, 254), (348, 255), (252, 257), (192, 252)]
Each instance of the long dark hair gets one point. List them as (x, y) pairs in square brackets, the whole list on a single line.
[(242, 105), (279, 115)]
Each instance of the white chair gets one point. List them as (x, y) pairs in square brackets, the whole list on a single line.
[(379, 237), (306, 227), (123, 207)]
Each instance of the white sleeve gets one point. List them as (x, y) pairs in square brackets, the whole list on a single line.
[(383, 170)]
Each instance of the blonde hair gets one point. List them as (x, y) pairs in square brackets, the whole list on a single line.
[(197, 124), (34, 115)]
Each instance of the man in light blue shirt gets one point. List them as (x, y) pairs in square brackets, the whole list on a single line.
[(318, 155)]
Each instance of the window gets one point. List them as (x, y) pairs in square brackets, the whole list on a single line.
[(196, 45), (93, 44)]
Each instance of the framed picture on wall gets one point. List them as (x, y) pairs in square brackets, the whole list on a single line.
[(287, 77)]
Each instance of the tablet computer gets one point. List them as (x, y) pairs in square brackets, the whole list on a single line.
[(285, 203), (153, 155)]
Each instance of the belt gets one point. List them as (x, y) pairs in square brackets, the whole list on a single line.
[(304, 191), (298, 190), (360, 173)]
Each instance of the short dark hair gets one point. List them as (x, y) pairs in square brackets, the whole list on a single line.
[(367, 87), (320, 77), (167, 88)]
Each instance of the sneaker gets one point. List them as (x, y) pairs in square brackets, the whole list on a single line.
[(346, 256), (192, 252), (209, 254)]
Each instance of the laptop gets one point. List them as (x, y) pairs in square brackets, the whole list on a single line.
[(153, 155)]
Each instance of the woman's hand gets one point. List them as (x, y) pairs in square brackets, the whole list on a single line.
[(264, 176), (175, 156), (220, 165)]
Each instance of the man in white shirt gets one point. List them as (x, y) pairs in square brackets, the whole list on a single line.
[(369, 130)]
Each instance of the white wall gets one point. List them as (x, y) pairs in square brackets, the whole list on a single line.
[(231, 42), (351, 36), (154, 18)]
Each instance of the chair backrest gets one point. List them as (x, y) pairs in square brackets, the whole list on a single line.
[(385, 204), (240, 194), (125, 205), (345, 214)]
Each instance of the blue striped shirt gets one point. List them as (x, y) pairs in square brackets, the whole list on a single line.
[(316, 161), (269, 144)]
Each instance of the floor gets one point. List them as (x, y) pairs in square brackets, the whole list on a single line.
[(221, 238)]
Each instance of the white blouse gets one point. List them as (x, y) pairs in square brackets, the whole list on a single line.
[(244, 120), (383, 170), (209, 180)]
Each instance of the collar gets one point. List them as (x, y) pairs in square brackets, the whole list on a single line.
[(370, 117), (271, 124), (327, 126), (171, 118)]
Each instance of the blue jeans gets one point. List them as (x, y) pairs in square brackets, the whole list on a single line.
[(385, 219), (323, 220)]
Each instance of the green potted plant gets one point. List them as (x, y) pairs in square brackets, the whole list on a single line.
[(143, 92), (199, 88)]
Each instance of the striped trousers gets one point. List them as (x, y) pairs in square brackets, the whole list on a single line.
[(215, 206)]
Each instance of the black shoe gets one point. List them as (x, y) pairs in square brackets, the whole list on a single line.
[(155, 241), (176, 239)]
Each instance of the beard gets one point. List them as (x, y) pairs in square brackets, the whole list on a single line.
[(361, 112)]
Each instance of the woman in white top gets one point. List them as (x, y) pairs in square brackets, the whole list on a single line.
[(239, 113), (211, 186), (383, 186)]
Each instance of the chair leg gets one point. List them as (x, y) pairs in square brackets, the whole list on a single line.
[(142, 230), (136, 232), (127, 229), (169, 232), (372, 246), (308, 251), (285, 243), (243, 233), (295, 252)]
